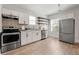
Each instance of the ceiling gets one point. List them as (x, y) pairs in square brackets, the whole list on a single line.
[(44, 9)]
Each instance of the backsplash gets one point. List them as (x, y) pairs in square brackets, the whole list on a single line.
[(6, 23)]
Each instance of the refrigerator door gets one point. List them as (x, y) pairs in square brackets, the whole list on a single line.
[(66, 30), (67, 38)]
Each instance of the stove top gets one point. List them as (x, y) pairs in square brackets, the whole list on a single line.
[(10, 30)]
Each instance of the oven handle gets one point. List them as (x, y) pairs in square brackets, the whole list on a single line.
[(10, 33), (3, 34)]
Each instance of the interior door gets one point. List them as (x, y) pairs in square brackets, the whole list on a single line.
[(66, 30)]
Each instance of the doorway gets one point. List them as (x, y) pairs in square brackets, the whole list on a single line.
[(54, 28)]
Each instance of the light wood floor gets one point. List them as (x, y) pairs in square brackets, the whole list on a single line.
[(49, 46)]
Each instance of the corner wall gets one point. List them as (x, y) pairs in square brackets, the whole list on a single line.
[(72, 13), (0, 18)]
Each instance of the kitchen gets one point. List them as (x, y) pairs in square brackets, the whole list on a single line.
[(19, 29), (36, 29)]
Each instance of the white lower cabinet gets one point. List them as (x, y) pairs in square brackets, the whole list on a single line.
[(30, 36), (36, 35), (39, 35), (23, 38)]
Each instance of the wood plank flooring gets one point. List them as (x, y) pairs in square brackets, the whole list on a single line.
[(49, 46)]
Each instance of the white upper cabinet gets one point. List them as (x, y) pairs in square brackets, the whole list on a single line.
[(23, 18), (15, 13), (6, 11)]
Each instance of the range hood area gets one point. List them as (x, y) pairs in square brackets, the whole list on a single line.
[(9, 21), (10, 16)]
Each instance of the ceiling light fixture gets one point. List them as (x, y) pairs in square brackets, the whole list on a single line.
[(59, 7)]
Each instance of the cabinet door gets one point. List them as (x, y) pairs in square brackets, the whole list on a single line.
[(39, 35), (26, 18), (15, 13), (6, 11), (23, 38), (27, 37), (30, 39), (35, 36), (21, 18)]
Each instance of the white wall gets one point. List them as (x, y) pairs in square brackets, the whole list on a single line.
[(0, 18), (72, 13), (76, 16)]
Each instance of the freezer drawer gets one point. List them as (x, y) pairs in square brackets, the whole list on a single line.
[(67, 37)]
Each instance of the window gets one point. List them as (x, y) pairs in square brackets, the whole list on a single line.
[(55, 26), (32, 20)]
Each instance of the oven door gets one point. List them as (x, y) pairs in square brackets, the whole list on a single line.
[(10, 38)]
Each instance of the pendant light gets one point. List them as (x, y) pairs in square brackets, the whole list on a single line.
[(59, 10)]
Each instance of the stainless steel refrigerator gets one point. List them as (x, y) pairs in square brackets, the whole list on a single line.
[(67, 30)]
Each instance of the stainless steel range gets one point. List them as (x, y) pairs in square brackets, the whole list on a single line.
[(10, 39), (43, 34)]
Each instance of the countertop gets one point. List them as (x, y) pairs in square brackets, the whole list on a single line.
[(31, 30)]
